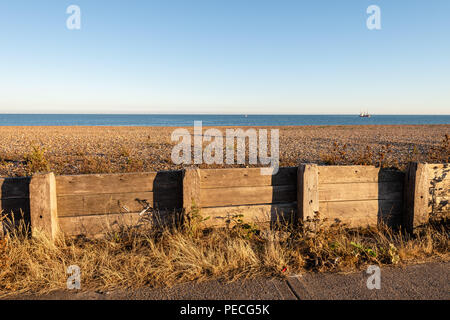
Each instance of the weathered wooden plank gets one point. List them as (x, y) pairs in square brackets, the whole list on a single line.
[(438, 171), (246, 177), (191, 189), (416, 196), (352, 174), (361, 191), (89, 204), (97, 224), (118, 183), (15, 205), (438, 184), (307, 191), (437, 166), (439, 205), (222, 197), (12, 188), (443, 185), (228, 216), (43, 204), (361, 213), (101, 224)]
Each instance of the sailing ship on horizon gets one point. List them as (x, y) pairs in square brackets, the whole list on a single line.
[(364, 114)]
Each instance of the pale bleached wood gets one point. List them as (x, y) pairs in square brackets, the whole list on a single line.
[(228, 216), (443, 182), (440, 205), (307, 192), (89, 204), (361, 191), (118, 183), (416, 196), (246, 177), (439, 197), (191, 189), (438, 171), (98, 225), (352, 174), (43, 204), (246, 195), (439, 189), (361, 213)]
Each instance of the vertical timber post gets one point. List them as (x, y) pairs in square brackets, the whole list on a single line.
[(191, 189), (416, 191), (307, 192), (43, 209)]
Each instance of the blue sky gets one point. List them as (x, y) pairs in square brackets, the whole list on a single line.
[(217, 56)]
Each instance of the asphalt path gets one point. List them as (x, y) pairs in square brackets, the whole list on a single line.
[(428, 281)]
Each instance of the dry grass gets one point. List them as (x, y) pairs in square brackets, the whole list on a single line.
[(162, 257)]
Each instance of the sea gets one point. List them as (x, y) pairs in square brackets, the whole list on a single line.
[(185, 120)]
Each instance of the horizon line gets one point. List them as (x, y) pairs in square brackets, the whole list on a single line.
[(225, 114)]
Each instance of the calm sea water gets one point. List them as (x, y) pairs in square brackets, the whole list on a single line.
[(212, 120)]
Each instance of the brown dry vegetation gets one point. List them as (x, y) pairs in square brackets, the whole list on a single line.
[(78, 150), (134, 258)]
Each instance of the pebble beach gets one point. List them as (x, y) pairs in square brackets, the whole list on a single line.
[(81, 150)]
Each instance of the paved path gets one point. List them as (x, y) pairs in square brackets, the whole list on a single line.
[(424, 281)]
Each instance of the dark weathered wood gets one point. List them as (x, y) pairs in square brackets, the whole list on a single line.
[(228, 216), (246, 177), (191, 189), (222, 197), (416, 195), (307, 192), (361, 191), (353, 174), (13, 188), (118, 183), (15, 205), (43, 204)]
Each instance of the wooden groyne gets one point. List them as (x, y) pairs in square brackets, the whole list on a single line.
[(355, 195)]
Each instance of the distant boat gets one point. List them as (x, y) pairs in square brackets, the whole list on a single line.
[(364, 114)]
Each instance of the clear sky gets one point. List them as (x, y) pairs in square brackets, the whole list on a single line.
[(225, 56)]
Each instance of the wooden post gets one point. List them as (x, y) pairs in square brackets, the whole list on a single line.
[(416, 190), (307, 191), (191, 189), (43, 209)]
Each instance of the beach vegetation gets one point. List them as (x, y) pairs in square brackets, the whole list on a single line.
[(36, 160), (134, 257)]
